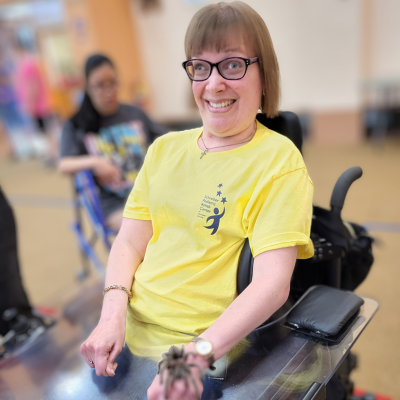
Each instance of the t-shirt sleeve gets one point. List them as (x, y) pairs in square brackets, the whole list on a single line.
[(280, 213), (137, 206), (71, 145)]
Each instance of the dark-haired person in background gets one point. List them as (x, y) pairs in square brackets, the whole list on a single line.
[(108, 138)]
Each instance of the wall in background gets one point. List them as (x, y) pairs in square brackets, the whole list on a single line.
[(317, 46), (385, 38), (106, 26)]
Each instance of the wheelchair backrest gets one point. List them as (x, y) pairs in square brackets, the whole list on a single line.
[(327, 228), (287, 124)]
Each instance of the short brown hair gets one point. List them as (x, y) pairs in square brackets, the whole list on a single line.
[(214, 25)]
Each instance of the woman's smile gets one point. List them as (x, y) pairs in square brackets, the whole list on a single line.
[(220, 106)]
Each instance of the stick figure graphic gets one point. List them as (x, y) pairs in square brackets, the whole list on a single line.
[(216, 218)]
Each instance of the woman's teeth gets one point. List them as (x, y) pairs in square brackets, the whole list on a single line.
[(219, 105)]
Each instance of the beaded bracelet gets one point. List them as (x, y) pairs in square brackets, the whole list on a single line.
[(127, 291)]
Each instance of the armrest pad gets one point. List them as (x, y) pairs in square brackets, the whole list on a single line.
[(324, 310)]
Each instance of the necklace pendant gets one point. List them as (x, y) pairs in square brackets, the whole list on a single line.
[(203, 154)]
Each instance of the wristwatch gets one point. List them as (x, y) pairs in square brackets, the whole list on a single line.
[(204, 348)]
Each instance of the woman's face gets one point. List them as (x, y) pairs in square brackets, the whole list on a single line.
[(102, 88), (241, 97)]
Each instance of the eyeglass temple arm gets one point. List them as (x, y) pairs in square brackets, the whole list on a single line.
[(253, 60)]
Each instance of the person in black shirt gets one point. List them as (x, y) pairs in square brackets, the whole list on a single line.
[(108, 138)]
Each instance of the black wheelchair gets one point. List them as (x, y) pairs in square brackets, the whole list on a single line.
[(301, 352)]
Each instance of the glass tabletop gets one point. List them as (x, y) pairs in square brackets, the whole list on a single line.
[(275, 362)]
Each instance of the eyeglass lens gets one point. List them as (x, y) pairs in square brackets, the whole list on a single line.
[(232, 68)]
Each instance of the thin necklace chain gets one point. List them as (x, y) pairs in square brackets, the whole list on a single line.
[(216, 147)]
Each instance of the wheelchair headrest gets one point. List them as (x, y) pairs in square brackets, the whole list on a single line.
[(287, 124)]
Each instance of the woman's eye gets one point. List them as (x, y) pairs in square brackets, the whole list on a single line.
[(199, 67), (233, 65)]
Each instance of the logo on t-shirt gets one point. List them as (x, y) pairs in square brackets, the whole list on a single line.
[(212, 209), (216, 219)]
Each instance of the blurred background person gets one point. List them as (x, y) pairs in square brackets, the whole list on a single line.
[(34, 97), (108, 138), (16, 132), (8, 106)]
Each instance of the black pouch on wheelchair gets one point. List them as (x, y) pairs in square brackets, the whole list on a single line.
[(358, 260), (326, 313)]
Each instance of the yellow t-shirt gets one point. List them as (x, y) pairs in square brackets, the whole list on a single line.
[(202, 210)]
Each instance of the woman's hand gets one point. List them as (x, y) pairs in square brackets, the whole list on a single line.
[(181, 390), (106, 172), (104, 344), (107, 339)]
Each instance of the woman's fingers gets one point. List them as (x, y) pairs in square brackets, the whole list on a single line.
[(181, 390), (89, 360), (102, 348), (87, 354), (104, 360), (102, 353), (110, 369), (178, 391)]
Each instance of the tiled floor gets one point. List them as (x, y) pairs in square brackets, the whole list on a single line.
[(50, 260)]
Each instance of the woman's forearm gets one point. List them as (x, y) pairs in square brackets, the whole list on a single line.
[(121, 267), (126, 255), (266, 294), (106, 341), (248, 311), (74, 164)]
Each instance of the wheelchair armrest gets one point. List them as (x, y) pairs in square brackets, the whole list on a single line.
[(325, 313)]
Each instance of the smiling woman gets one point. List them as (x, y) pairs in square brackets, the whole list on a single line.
[(230, 91), (199, 195)]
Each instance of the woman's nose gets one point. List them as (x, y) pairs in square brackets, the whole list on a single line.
[(216, 83)]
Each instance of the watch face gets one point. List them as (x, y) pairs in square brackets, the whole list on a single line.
[(204, 347)]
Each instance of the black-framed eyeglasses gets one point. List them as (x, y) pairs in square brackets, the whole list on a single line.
[(232, 68)]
